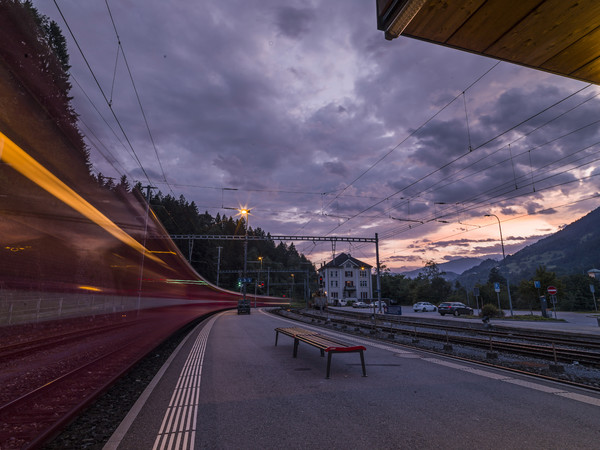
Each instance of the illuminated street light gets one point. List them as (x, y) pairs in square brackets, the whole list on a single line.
[(504, 260), (245, 213), (293, 281)]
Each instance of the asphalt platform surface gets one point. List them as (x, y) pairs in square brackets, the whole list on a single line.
[(230, 387)]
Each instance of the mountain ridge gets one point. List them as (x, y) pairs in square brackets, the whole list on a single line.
[(573, 249)]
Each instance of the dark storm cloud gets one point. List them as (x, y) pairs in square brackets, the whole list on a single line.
[(336, 168), (311, 97), (293, 22)]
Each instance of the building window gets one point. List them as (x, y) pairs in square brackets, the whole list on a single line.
[(333, 273), (349, 283), (363, 295), (363, 273), (363, 283), (334, 283), (349, 274), (334, 295)]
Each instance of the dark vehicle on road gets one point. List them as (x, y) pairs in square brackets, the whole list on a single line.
[(455, 308)]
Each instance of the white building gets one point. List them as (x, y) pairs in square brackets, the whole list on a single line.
[(594, 273), (346, 277)]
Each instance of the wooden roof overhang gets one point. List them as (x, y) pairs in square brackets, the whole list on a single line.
[(557, 36)]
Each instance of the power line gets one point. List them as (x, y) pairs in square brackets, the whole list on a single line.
[(460, 157), (101, 91), (411, 134), (137, 96)]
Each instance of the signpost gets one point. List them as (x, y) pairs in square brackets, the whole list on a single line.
[(552, 293), (497, 289)]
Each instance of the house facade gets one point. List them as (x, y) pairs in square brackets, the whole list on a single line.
[(346, 277), (594, 273)]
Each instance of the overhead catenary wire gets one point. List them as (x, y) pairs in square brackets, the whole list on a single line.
[(137, 96), (431, 189), (102, 92), (407, 137), (433, 172), (341, 194)]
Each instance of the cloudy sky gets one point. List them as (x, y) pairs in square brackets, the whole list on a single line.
[(302, 111)]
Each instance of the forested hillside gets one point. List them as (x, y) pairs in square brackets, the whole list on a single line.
[(571, 251), (279, 260)]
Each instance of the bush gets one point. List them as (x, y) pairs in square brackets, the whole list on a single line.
[(490, 310), (350, 303)]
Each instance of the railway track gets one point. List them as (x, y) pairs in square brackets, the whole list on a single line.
[(542, 345), (24, 348), (32, 417), (45, 384), (83, 363)]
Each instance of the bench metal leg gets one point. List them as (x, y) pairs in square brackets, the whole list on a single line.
[(296, 342), (322, 352), (362, 361), (328, 364), (276, 336)]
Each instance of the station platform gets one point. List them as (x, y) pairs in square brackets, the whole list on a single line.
[(228, 386)]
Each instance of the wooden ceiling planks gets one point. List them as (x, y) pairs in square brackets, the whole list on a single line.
[(558, 36)]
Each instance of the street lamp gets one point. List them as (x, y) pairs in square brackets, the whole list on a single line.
[(260, 258), (293, 282), (504, 260), (245, 213)]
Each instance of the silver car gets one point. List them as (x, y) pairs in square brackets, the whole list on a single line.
[(424, 307)]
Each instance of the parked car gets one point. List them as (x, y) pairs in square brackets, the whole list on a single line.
[(455, 308), (424, 307), (360, 304)]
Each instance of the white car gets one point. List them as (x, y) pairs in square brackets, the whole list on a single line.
[(360, 304), (424, 307)]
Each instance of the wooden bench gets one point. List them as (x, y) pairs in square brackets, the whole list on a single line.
[(323, 343)]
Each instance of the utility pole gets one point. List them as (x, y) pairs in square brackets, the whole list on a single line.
[(148, 187), (218, 264)]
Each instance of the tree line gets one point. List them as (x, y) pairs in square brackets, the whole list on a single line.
[(574, 291), (275, 268)]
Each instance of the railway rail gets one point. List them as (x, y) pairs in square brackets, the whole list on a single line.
[(544, 345), (32, 417), (44, 385), (23, 348)]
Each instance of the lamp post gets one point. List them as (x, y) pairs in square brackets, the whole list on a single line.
[(293, 282), (260, 258), (245, 214), (504, 260)]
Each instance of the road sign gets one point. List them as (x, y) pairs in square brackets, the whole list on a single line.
[(552, 290), (537, 284), (497, 287)]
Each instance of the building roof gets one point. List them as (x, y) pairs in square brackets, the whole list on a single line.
[(562, 37), (341, 259)]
